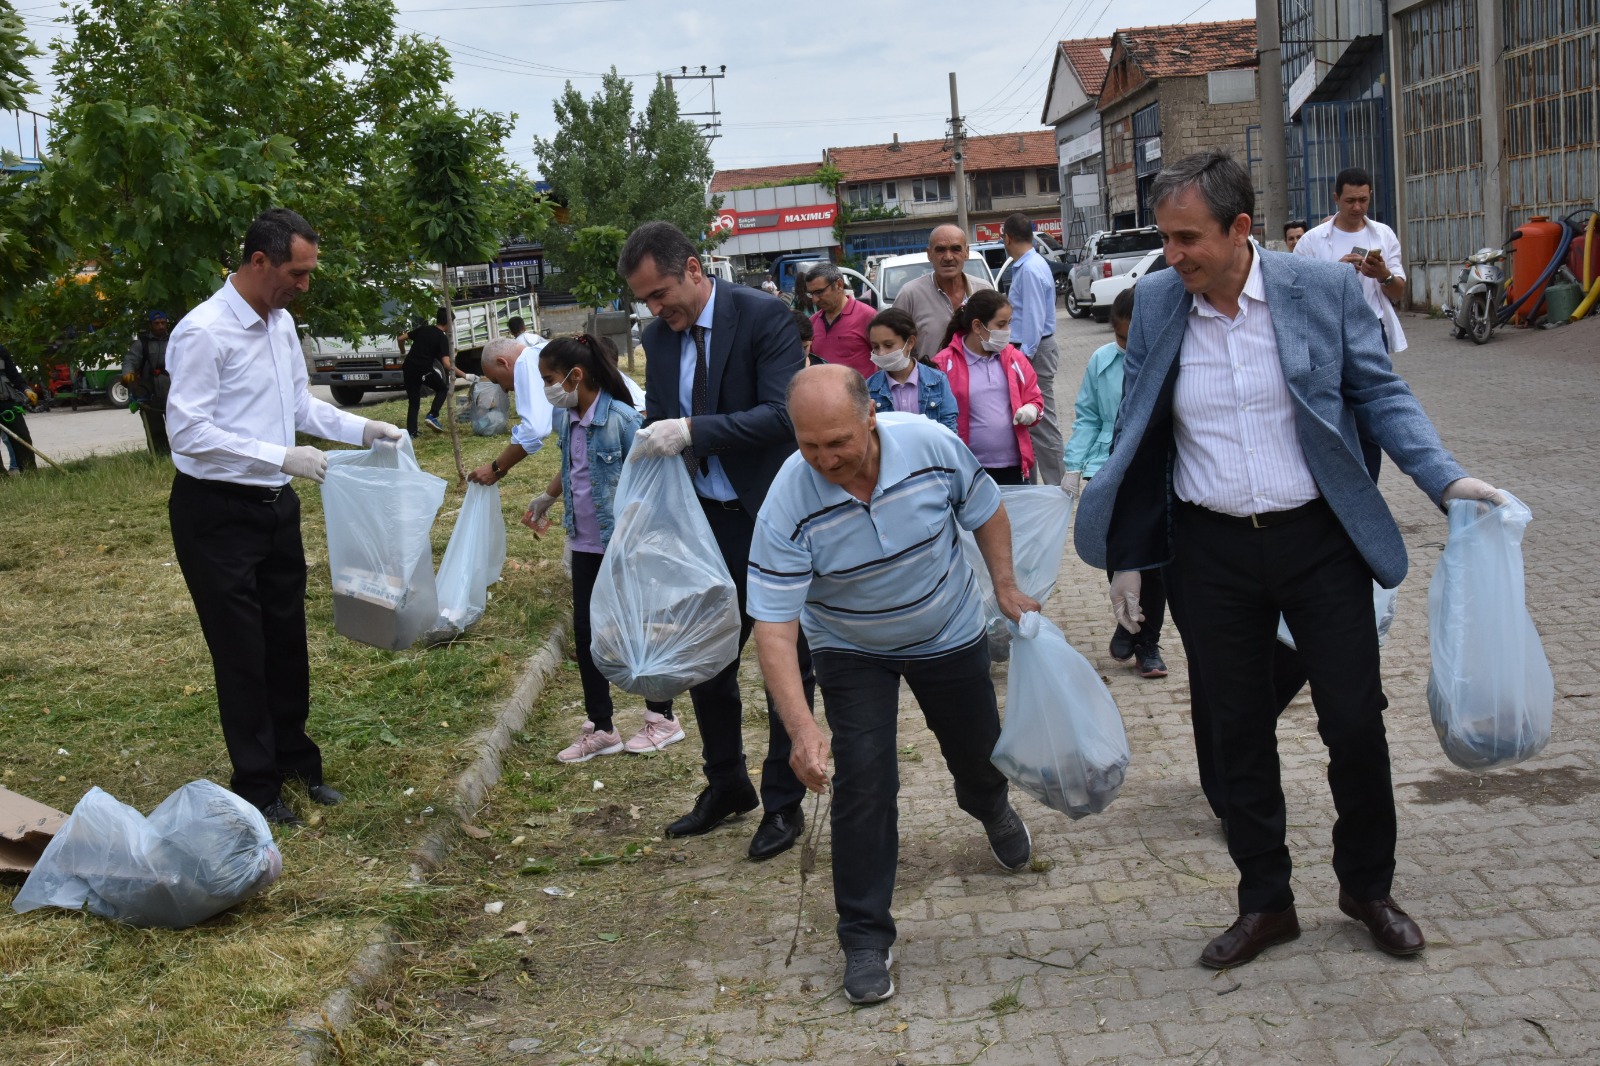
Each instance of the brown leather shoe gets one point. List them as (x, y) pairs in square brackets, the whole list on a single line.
[(1249, 936), (1392, 928)]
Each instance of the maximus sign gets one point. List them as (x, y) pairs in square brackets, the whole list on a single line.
[(818, 216)]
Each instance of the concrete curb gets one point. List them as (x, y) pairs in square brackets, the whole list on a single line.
[(319, 1033)]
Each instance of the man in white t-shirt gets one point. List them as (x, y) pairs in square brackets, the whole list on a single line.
[(1370, 247), (521, 334)]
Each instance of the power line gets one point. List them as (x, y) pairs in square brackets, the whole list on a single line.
[(1049, 38)]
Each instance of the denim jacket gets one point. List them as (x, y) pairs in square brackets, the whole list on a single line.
[(935, 401), (610, 435)]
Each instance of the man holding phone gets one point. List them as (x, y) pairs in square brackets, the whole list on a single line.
[(1370, 247)]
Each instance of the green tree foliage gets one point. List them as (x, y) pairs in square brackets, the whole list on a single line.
[(615, 169), (177, 122), (15, 49)]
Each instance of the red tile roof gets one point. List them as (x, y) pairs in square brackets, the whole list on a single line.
[(724, 180), (1187, 50), (1000, 151), (1088, 57)]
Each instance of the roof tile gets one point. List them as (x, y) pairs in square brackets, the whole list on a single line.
[(726, 180), (1088, 58), (1001, 151), (1188, 50)]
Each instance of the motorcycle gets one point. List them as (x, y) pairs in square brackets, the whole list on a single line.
[(1480, 291)]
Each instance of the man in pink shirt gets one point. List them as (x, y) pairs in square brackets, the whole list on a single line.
[(839, 328)]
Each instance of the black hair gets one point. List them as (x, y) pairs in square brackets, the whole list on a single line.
[(802, 322), (662, 242), (981, 306), (515, 324), (1294, 223), (441, 316), (1018, 226), (597, 358), (273, 231), (1122, 306), (1350, 176), (897, 321), (1223, 183)]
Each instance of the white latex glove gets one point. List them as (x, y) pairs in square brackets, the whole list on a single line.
[(540, 506), (670, 437), (375, 431), (1470, 488), (472, 379), (305, 461), (1072, 482), (1125, 586), (1026, 415)]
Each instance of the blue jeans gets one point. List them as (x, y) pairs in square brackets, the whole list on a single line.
[(861, 696)]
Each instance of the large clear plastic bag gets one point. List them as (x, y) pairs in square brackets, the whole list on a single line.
[(1040, 516), (379, 507), (664, 615), (488, 409), (200, 852), (1383, 605), (1063, 741), (472, 562), (1490, 690)]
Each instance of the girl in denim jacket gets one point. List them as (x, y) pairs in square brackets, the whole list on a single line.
[(595, 422)]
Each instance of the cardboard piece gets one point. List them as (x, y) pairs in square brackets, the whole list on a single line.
[(26, 827)]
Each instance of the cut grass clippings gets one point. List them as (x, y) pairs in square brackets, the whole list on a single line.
[(105, 680)]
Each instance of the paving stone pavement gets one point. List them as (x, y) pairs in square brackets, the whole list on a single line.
[(1094, 959)]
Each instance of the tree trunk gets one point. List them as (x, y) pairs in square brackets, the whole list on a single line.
[(450, 377)]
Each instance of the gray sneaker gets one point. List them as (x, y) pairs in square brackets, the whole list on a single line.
[(866, 975), (1009, 839)]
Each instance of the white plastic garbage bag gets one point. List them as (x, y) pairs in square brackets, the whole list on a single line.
[(379, 506), (1063, 741), (488, 409), (472, 562), (1383, 604), (200, 852), (664, 615), (1040, 516), (1490, 690)]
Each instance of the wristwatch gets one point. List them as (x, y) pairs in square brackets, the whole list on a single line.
[(494, 464), (1386, 280)]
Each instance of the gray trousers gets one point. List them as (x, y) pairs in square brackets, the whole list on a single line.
[(1048, 449)]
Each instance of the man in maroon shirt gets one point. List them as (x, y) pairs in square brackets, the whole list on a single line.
[(839, 328)]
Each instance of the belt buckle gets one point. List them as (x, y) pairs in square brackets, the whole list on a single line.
[(1255, 522), (275, 493)]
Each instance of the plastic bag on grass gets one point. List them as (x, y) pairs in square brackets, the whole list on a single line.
[(1383, 604), (1063, 741), (1040, 516), (664, 614), (200, 852), (488, 409), (472, 562), (1490, 690), (379, 506)]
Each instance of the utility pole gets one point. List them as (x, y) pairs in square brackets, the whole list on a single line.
[(710, 129), (1269, 92), (958, 144)]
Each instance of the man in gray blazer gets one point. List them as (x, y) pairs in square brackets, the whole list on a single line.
[(1251, 379)]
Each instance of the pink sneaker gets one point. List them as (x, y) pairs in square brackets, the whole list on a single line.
[(658, 732), (591, 742)]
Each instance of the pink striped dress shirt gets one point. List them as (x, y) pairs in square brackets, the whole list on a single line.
[(1238, 452)]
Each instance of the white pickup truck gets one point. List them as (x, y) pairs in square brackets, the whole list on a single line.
[(1105, 255)]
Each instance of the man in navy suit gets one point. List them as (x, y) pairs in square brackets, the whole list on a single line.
[(1252, 379), (718, 359)]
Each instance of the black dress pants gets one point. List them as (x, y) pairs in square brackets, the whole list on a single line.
[(242, 559), (1235, 581), (717, 706), (416, 377)]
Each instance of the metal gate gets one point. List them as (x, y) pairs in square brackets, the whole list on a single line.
[(1347, 133)]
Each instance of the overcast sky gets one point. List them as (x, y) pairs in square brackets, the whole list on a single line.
[(801, 76)]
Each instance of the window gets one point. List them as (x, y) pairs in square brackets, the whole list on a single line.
[(1049, 179), (1230, 86), (998, 183), (867, 195), (930, 190)]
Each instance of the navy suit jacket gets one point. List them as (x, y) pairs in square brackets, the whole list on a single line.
[(755, 350), (1344, 390)]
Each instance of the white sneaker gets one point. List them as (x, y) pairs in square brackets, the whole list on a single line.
[(658, 732), (591, 742)]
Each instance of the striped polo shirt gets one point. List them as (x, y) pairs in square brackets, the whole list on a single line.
[(885, 577)]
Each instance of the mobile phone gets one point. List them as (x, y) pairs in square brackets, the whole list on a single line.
[(1362, 252)]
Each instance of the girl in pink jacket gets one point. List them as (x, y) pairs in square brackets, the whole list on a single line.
[(996, 390)]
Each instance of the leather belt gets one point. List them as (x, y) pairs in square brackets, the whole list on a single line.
[(254, 493), (1264, 520), (724, 505)]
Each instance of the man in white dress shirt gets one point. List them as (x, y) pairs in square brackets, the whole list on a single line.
[(1368, 246), (238, 396), (515, 367)]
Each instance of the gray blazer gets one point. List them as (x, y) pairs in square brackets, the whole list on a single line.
[(1343, 387)]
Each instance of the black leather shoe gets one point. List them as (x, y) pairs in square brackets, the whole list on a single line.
[(324, 795), (777, 832), (280, 813), (711, 807), (1249, 936), (1392, 928), (1121, 645)]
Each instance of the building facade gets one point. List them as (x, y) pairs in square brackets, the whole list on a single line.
[(1170, 91), (1069, 109), (769, 211)]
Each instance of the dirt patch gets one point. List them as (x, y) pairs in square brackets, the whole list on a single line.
[(1552, 787)]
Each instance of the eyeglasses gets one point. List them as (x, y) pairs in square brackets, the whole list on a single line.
[(948, 249), (814, 293)]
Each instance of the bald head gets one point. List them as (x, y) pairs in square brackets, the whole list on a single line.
[(820, 391), (833, 424), (947, 251), (500, 359)]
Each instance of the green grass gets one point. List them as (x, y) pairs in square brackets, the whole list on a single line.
[(105, 680)]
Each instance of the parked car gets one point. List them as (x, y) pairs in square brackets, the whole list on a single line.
[(1103, 291), (1060, 272), (894, 272), (1106, 254)]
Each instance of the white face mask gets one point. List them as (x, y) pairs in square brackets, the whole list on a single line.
[(893, 362), (997, 340), (559, 396)]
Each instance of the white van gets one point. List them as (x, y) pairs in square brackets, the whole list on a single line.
[(895, 271)]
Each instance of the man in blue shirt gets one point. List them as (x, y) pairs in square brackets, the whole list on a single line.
[(1033, 327), (856, 546)]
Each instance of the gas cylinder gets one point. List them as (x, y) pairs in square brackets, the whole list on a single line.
[(1534, 243)]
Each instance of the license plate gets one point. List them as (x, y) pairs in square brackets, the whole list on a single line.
[(358, 377)]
